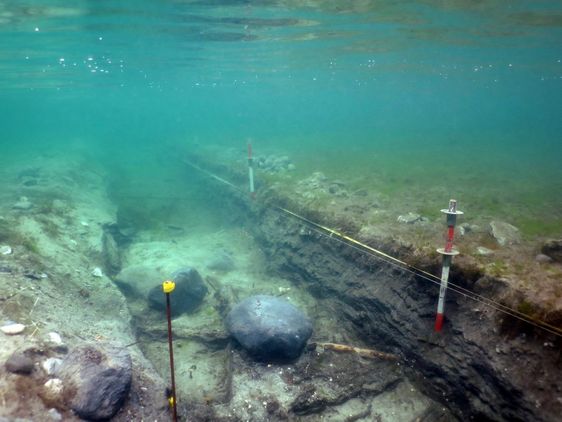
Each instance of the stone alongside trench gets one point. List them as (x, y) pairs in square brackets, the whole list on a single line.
[(270, 328), (189, 292)]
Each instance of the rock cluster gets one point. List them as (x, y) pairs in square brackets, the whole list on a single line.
[(318, 184), (91, 380), (275, 164)]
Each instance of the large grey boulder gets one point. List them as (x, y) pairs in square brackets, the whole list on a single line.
[(187, 296), (504, 233), (96, 380), (269, 328)]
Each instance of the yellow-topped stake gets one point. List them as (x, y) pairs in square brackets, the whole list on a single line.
[(168, 286)]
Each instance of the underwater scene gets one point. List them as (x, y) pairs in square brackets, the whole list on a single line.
[(280, 210)]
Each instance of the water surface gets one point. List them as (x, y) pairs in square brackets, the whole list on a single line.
[(461, 95)]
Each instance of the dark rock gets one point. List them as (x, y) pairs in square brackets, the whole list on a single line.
[(96, 380), (274, 164), (5, 269), (19, 363), (222, 262), (269, 328), (490, 286), (308, 401), (189, 292), (553, 249)]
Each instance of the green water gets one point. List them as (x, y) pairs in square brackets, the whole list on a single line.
[(456, 94)]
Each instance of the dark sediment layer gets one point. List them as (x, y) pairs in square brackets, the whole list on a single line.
[(483, 366)]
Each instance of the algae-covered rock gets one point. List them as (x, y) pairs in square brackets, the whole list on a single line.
[(553, 249), (269, 328), (504, 233)]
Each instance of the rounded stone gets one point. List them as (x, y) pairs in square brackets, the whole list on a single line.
[(269, 328), (18, 363), (187, 296), (542, 258), (12, 328), (96, 380)]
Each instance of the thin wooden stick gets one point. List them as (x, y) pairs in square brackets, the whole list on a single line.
[(366, 353)]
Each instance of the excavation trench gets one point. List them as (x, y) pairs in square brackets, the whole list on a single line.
[(483, 366)]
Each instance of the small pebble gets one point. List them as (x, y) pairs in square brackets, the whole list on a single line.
[(54, 415), (53, 389), (542, 258), (51, 365), (22, 204), (97, 272), (481, 250), (12, 328), (54, 338)]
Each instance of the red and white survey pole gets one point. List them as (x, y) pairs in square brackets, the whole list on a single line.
[(251, 170), (447, 252)]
